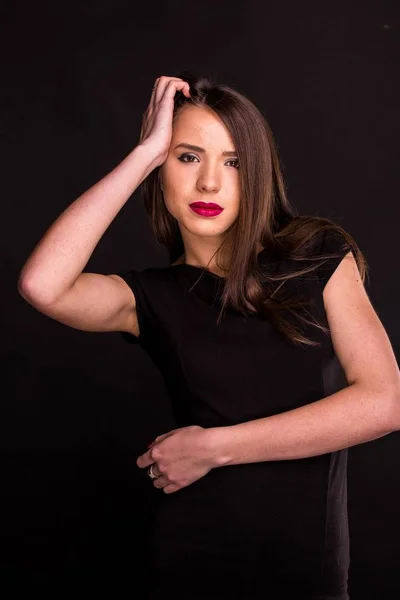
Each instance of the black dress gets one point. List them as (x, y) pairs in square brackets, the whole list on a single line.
[(272, 529)]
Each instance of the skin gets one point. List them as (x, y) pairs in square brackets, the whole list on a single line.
[(190, 176)]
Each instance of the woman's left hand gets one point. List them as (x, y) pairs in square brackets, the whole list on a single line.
[(181, 456)]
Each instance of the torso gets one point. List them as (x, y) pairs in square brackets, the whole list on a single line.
[(262, 525)]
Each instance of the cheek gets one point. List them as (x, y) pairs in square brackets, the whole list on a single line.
[(178, 192), (174, 207), (176, 187)]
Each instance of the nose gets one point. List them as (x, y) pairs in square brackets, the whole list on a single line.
[(209, 181)]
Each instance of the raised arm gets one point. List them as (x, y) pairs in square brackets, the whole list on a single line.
[(52, 280)]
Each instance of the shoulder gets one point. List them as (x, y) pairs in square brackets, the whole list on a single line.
[(318, 245), (152, 285), (327, 243)]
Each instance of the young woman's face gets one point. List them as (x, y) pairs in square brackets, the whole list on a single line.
[(193, 175)]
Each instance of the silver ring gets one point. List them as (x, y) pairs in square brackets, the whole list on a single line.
[(150, 472)]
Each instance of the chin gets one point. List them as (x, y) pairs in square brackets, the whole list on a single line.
[(205, 226)]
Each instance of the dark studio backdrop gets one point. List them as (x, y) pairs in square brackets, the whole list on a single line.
[(78, 408)]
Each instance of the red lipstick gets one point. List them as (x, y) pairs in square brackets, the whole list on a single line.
[(206, 209)]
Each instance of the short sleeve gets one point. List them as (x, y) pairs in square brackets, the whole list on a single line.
[(333, 243), (134, 279)]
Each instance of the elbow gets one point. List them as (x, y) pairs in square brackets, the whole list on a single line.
[(393, 402), (29, 292), (23, 289), (385, 407), (396, 416)]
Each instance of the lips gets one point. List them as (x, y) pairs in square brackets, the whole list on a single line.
[(207, 205), (206, 209)]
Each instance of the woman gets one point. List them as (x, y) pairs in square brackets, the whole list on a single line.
[(274, 358)]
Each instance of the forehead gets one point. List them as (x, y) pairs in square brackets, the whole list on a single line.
[(201, 126)]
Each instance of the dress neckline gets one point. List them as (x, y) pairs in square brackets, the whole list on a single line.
[(196, 268), (205, 270)]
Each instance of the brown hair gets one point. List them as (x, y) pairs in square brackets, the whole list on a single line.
[(265, 214)]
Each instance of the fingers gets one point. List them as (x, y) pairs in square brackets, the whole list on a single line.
[(145, 460), (160, 481), (151, 455), (153, 95), (173, 86), (155, 469), (164, 484), (161, 437), (163, 86), (166, 84), (148, 458), (167, 488)]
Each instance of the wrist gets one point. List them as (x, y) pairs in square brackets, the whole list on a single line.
[(218, 438), (150, 153)]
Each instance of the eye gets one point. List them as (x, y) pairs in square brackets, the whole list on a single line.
[(186, 156), (235, 160), (183, 156)]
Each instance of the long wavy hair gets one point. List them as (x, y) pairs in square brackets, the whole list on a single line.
[(265, 216)]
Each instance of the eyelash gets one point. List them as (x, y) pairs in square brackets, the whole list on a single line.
[(193, 156)]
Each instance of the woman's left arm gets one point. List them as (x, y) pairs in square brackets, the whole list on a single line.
[(367, 409)]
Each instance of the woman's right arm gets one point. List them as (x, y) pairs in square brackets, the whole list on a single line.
[(52, 279)]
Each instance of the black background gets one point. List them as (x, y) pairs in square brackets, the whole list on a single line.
[(78, 408)]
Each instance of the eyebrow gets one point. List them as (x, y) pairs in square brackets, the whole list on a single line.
[(199, 149)]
